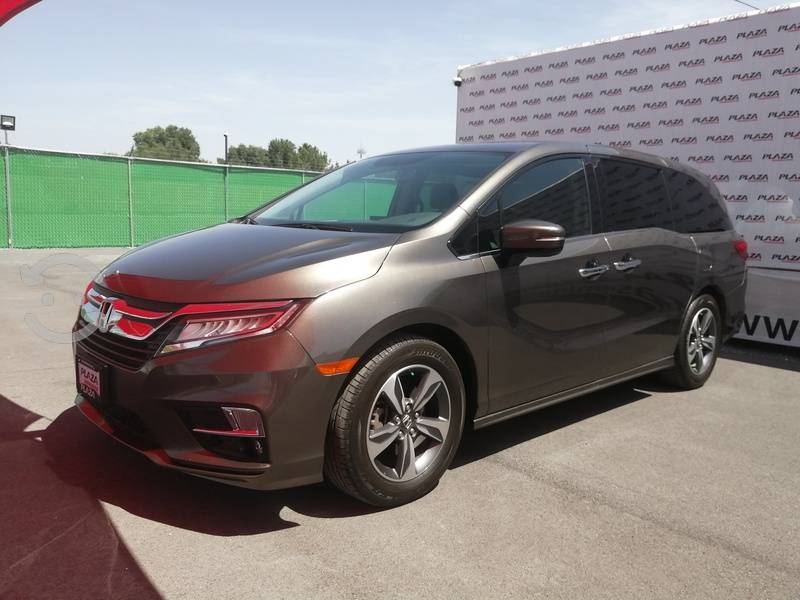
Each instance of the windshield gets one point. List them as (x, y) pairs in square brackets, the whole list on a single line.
[(392, 193)]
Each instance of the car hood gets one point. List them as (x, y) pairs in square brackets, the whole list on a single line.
[(238, 262)]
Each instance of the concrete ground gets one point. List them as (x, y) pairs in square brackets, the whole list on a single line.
[(634, 492)]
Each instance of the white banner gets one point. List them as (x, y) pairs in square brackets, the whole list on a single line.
[(722, 96), (773, 313)]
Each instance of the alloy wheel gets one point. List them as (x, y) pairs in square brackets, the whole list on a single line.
[(701, 341), (409, 421)]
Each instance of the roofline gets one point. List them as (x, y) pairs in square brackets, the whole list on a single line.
[(543, 148), (500, 146), (630, 36)]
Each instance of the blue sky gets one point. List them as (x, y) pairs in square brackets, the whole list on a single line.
[(85, 75)]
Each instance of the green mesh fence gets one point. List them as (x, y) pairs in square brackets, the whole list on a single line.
[(248, 189), (62, 200), (170, 198), (3, 204), (71, 200)]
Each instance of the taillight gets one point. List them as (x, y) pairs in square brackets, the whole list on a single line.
[(741, 248), (201, 331)]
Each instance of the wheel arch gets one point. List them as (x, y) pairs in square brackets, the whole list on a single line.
[(458, 349), (719, 297), (443, 333)]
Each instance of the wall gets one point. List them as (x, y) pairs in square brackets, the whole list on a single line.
[(722, 96)]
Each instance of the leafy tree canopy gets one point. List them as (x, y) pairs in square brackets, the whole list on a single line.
[(170, 142), (252, 156), (281, 153), (312, 158)]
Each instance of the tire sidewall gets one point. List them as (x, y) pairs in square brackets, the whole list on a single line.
[(682, 355), (421, 352)]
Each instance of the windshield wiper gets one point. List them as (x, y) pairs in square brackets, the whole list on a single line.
[(246, 220), (325, 226)]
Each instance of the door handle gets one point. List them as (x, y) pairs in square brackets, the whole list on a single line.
[(587, 272), (627, 263)]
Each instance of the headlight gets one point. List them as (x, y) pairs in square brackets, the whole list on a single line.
[(200, 331)]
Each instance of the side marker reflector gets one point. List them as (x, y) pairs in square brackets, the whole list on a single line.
[(338, 367)]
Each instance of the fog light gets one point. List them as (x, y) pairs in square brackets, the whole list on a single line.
[(244, 422), (229, 431)]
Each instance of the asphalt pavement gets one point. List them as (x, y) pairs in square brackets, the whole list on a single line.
[(637, 491)]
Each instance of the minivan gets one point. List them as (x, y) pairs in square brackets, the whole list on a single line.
[(351, 329)]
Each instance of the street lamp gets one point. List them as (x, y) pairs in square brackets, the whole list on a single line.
[(225, 135), (7, 123)]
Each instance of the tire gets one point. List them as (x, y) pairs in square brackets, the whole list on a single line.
[(372, 411), (694, 361)]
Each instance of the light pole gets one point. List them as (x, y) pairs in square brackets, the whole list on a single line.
[(225, 135), (7, 123)]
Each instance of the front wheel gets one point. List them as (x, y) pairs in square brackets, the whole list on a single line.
[(698, 345), (395, 428)]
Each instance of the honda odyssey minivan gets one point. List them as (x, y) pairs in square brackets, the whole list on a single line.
[(351, 329)]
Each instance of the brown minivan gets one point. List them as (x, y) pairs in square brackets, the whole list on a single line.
[(350, 329)]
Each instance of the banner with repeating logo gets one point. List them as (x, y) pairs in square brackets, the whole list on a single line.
[(722, 96)]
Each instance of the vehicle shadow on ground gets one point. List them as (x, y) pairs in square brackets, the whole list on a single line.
[(763, 354), (57, 541), (491, 440), (83, 456), (51, 499)]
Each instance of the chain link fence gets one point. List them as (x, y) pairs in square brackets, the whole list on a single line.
[(60, 199)]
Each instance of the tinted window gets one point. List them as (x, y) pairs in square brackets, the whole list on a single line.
[(634, 196), (480, 234), (465, 241), (489, 223), (695, 209), (554, 191)]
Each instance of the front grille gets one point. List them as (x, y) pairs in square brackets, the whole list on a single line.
[(122, 351)]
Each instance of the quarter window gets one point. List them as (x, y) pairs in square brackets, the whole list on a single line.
[(634, 196)]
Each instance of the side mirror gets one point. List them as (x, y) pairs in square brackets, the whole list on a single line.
[(532, 237)]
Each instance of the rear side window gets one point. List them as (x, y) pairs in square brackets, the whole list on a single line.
[(695, 209), (634, 196)]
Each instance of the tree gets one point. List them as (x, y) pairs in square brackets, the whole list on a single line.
[(282, 153), (171, 143), (251, 156), (311, 158)]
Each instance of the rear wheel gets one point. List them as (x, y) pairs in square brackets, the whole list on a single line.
[(395, 428), (698, 345)]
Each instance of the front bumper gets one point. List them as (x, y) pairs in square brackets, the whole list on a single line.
[(272, 374)]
